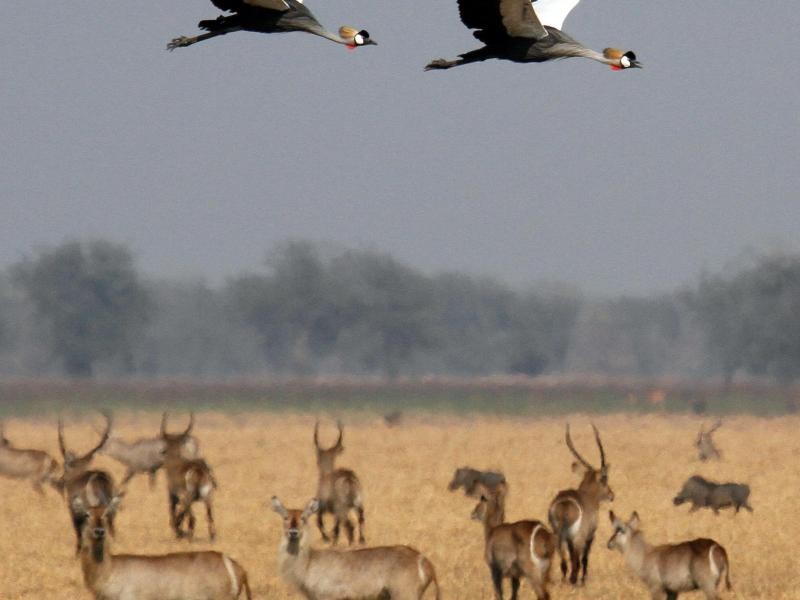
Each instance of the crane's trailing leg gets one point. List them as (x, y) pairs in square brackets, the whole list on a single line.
[(441, 63), (183, 41), (468, 57)]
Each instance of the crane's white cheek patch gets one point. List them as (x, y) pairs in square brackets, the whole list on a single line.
[(625, 61), (359, 39)]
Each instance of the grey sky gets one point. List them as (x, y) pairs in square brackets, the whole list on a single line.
[(204, 158)]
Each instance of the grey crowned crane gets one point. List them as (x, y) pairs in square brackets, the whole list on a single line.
[(269, 16), (522, 31)]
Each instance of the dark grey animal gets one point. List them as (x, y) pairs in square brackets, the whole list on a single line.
[(703, 493), (469, 479), (521, 31), (269, 16)]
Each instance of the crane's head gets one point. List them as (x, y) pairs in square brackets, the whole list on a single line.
[(620, 60), (355, 38)]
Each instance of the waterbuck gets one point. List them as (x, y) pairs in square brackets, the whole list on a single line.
[(338, 491), (188, 481), (36, 466), (670, 569), (514, 550), (703, 493), (83, 487), (574, 513), (178, 576), (706, 450), (382, 573), (145, 455), (472, 480)]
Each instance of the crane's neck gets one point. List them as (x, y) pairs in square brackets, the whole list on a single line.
[(329, 35)]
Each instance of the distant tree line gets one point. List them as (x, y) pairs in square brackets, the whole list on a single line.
[(82, 308)]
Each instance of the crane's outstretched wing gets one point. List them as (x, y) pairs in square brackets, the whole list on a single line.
[(514, 18), (237, 5), (553, 12)]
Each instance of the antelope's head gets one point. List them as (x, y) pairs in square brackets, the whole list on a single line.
[(175, 442), (295, 524), (623, 532), (327, 456), (78, 464), (94, 530), (594, 481), (490, 509)]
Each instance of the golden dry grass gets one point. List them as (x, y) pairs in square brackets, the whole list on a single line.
[(405, 471)]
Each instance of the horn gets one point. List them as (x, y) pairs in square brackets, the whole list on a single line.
[(599, 445), (715, 426), (338, 443), (191, 424), (104, 437), (575, 452), (316, 436), (61, 444), (164, 424)]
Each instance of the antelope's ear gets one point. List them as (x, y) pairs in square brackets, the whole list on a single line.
[(78, 506), (612, 517), (311, 508), (114, 504), (634, 522), (578, 468), (278, 507)]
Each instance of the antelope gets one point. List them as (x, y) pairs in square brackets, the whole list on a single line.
[(670, 569), (514, 550), (83, 487), (177, 576), (396, 572), (338, 491), (573, 513), (36, 466), (145, 455), (188, 481), (706, 450)]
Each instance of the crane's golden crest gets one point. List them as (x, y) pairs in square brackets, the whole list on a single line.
[(347, 33), (613, 53)]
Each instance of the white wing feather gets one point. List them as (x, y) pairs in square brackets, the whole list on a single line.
[(552, 13)]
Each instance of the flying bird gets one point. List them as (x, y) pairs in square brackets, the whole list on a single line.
[(526, 31), (270, 16)]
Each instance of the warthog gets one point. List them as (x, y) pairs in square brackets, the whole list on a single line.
[(704, 493), (471, 479)]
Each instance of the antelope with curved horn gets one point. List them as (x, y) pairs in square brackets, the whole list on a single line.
[(177, 576), (573, 513), (396, 572), (338, 491), (670, 569), (706, 450), (145, 455), (188, 481), (36, 466), (514, 550), (83, 487)]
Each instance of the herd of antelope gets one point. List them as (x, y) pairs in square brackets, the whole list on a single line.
[(523, 550)]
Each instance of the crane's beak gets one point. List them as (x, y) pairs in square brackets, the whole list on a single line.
[(635, 64), (370, 42)]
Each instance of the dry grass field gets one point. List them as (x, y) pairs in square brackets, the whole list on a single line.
[(405, 471)]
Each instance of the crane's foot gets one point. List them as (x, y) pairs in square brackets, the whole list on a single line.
[(440, 63), (180, 42)]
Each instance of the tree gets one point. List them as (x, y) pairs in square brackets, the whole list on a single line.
[(89, 298), (752, 319)]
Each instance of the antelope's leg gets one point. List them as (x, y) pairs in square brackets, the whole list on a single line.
[(497, 582), (173, 516), (321, 525), (514, 587), (361, 539), (349, 529), (336, 530), (585, 558), (574, 562), (212, 528)]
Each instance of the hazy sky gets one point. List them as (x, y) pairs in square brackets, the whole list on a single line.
[(202, 159)]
